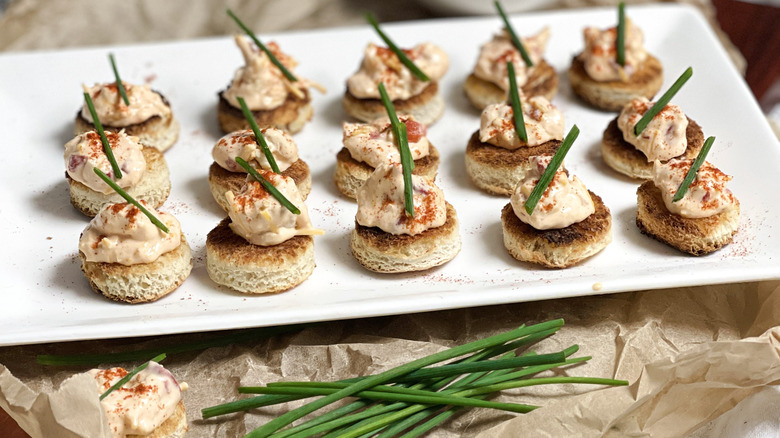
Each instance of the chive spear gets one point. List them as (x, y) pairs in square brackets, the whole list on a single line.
[(549, 173), (517, 105), (99, 128), (259, 138), (262, 47), (663, 101), (119, 85), (131, 200), (130, 375), (621, 35), (691, 175), (515, 40), (398, 52), (407, 164), (268, 186)]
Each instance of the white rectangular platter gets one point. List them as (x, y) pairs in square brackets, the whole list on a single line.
[(45, 297)]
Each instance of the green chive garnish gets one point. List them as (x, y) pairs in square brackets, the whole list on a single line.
[(407, 164), (262, 47), (388, 375), (268, 186), (691, 175), (102, 133), (621, 35), (663, 101), (398, 52), (259, 138), (549, 173), (515, 40), (130, 199), (130, 375), (119, 84), (517, 106)]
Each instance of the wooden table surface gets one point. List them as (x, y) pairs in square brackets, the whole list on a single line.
[(753, 29)]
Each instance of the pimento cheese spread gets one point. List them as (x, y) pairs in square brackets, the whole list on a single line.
[(600, 54), (706, 196), (112, 110), (663, 138), (374, 143), (493, 56), (543, 122), (243, 144), (85, 152)]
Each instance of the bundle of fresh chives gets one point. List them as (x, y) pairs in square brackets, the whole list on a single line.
[(422, 396)]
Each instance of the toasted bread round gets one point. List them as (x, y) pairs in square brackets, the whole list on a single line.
[(558, 248), (542, 82), (174, 427), (351, 174), (290, 116), (233, 262), (154, 187), (628, 160), (157, 131), (613, 95), (425, 107), (222, 180), (383, 252), (140, 283), (497, 170), (696, 236)]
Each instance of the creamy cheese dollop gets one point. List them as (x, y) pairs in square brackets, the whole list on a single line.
[(259, 82), (600, 54), (85, 152), (121, 233), (141, 405), (706, 196), (243, 144), (374, 143), (260, 219), (665, 135), (543, 122), (380, 64), (381, 202), (112, 110), (493, 56), (566, 200)]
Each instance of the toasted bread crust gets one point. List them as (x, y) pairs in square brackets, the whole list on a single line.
[(426, 107), (558, 248), (695, 236), (248, 268), (222, 180), (174, 427), (154, 187), (383, 252), (613, 95), (628, 160), (350, 174), (290, 116), (158, 132), (497, 170), (542, 82), (132, 284)]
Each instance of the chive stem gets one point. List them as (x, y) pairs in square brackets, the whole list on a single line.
[(517, 105), (663, 101), (515, 40), (549, 173), (259, 137), (419, 74), (621, 35), (131, 200), (691, 175), (268, 186), (407, 164), (106, 145), (262, 47), (124, 356), (378, 379), (119, 85), (130, 375)]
